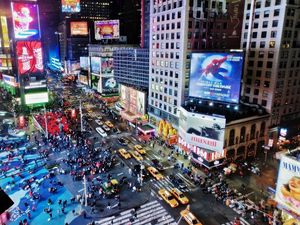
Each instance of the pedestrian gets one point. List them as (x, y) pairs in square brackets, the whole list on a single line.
[(73, 211), (59, 202), (63, 210), (29, 215), (108, 205), (21, 222), (50, 216)]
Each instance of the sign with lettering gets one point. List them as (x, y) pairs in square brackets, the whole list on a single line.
[(288, 184), (30, 57), (203, 131)]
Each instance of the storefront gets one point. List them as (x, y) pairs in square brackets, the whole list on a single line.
[(145, 132), (9, 84), (209, 159)]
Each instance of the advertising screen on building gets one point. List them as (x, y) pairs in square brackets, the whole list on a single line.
[(79, 28), (95, 65), (106, 65), (96, 83), (288, 184), (70, 6), (216, 76), (201, 130), (5, 36), (29, 57), (36, 98), (84, 63), (25, 21), (107, 29), (109, 85), (133, 100)]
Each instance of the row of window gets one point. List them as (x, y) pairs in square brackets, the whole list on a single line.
[(267, 74), (157, 7), (259, 4), (260, 64), (262, 44), (263, 34), (167, 17), (166, 55), (169, 73), (166, 64), (160, 105), (166, 36), (265, 14), (162, 45)]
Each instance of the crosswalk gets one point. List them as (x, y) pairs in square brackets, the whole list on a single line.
[(242, 222), (149, 213)]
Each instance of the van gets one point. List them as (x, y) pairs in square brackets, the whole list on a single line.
[(101, 132)]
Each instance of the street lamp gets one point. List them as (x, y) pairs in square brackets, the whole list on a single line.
[(80, 111), (46, 122)]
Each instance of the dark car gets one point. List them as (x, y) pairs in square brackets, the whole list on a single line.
[(137, 171), (122, 141), (157, 164), (116, 130), (178, 182)]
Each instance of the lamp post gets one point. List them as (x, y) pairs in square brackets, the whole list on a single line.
[(80, 111)]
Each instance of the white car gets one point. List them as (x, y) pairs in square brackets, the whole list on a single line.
[(106, 128), (99, 122), (101, 132)]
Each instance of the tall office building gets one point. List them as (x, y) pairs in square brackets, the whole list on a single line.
[(271, 34), (145, 23), (176, 29)]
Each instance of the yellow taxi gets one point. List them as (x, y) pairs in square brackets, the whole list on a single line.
[(140, 149), (189, 217), (154, 172), (168, 197), (137, 156), (179, 196), (109, 124), (124, 153)]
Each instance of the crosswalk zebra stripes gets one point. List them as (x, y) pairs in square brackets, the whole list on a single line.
[(168, 185), (242, 222), (147, 214)]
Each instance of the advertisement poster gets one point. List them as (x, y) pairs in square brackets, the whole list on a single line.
[(109, 85), (202, 130), (133, 98), (84, 63), (107, 29), (216, 76), (5, 37), (95, 83), (30, 57), (25, 21), (95, 65), (70, 6), (288, 184), (37, 98), (141, 99), (79, 28), (106, 65)]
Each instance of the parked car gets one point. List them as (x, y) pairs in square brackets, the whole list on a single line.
[(122, 141)]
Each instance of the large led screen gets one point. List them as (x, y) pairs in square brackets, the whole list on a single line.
[(84, 63), (216, 76), (79, 28), (109, 85), (26, 21), (95, 65), (203, 131), (70, 6), (288, 184), (29, 57), (96, 83), (36, 98), (5, 37), (106, 65), (107, 29)]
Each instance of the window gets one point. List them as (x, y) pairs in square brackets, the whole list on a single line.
[(263, 102), (253, 44), (258, 73), (277, 2), (267, 3), (262, 44), (248, 90), (273, 34), (270, 54), (266, 13), (272, 44), (261, 54), (257, 83), (275, 23), (276, 12), (258, 5), (269, 65), (231, 137), (242, 134), (252, 131), (256, 91), (255, 25), (264, 34), (259, 64), (254, 35), (266, 84), (265, 24)]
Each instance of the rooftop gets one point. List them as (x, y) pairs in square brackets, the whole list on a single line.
[(231, 112)]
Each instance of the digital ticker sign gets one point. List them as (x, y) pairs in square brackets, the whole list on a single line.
[(29, 57), (216, 76), (79, 28), (25, 21)]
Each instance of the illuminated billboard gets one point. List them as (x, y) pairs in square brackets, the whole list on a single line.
[(106, 65), (29, 57), (36, 98), (96, 83), (133, 100), (5, 37), (107, 29), (70, 6), (84, 63), (109, 85), (79, 28), (216, 76), (288, 184), (95, 65), (25, 21), (202, 130)]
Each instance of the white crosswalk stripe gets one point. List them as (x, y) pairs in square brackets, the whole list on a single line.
[(242, 222), (146, 214)]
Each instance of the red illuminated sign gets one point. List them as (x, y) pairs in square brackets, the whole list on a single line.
[(30, 57)]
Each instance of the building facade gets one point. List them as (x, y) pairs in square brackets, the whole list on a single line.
[(131, 67), (176, 29), (271, 37)]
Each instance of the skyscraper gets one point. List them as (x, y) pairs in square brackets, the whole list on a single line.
[(176, 29), (271, 34)]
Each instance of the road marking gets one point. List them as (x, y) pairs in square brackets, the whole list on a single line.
[(81, 190), (119, 174)]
